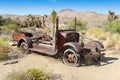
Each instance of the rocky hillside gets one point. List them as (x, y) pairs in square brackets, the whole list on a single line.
[(92, 19)]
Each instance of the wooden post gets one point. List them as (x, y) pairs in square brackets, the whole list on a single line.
[(75, 23), (56, 32)]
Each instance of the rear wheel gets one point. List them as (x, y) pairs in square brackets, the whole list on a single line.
[(71, 58), (24, 48)]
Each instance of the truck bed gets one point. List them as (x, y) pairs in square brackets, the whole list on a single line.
[(18, 35)]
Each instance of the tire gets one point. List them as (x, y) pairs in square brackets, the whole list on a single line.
[(24, 48), (71, 58)]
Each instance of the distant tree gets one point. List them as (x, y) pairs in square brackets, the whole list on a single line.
[(112, 16), (2, 21), (53, 18)]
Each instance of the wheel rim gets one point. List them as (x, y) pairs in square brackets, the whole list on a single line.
[(70, 58), (24, 48)]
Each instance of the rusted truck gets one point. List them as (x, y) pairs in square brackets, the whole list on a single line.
[(64, 42)]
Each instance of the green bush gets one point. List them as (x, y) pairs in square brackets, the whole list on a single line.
[(80, 25), (36, 74), (30, 74), (113, 26), (2, 21), (10, 27), (4, 48)]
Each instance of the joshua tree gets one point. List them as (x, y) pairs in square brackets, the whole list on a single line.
[(45, 15), (43, 21), (23, 24), (112, 16), (18, 21), (30, 20), (53, 17), (38, 22)]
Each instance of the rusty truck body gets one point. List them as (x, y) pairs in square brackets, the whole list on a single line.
[(64, 42)]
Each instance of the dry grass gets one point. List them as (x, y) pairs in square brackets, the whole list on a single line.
[(110, 40)]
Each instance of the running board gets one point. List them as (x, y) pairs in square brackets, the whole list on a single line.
[(48, 52)]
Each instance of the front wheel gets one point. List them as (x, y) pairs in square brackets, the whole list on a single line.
[(71, 58), (24, 48)]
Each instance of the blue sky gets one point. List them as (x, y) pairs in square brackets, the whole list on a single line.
[(41, 7)]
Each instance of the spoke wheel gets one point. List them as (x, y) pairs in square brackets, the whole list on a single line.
[(70, 57), (24, 48)]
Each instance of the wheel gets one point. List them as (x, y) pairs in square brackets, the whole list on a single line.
[(71, 58), (24, 48)]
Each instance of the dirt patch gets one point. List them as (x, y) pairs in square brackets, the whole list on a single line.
[(107, 70)]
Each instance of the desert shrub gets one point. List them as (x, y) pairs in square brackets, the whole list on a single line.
[(96, 33), (9, 21), (80, 25), (113, 26), (10, 27), (30, 74), (4, 48), (36, 74)]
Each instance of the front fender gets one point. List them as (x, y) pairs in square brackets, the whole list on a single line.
[(76, 46), (94, 44), (27, 40)]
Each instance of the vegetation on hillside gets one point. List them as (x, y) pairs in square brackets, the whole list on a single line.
[(109, 31), (113, 26)]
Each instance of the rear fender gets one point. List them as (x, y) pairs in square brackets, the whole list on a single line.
[(27, 40)]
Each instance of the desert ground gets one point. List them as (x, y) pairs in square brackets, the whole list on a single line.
[(107, 70)]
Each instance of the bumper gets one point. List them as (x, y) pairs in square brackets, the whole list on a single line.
[(93, 55)]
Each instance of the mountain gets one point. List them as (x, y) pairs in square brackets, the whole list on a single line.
[(92, 19)]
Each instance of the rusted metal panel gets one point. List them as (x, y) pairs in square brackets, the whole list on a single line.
[(94, 44), (74, 45), (17, 36), (65, 36)]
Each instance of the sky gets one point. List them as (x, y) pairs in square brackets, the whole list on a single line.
[(41, 7)]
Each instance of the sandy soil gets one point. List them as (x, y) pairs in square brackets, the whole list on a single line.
[(108, 70)]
